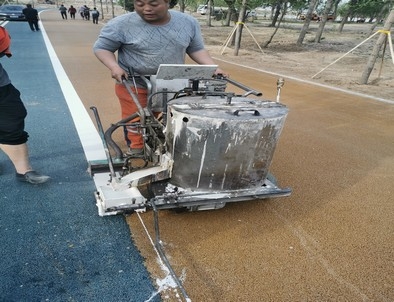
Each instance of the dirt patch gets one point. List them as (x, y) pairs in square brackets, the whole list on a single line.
[(284, 57), (338, 60)]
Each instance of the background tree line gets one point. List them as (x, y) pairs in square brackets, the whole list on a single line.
[(372, 11), (367, 10)]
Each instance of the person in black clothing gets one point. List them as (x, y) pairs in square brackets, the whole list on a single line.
[(31, 15), (86, 13), (13, 136), (72, 10)]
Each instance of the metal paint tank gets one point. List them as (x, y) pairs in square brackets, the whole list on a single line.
[(218, 145)]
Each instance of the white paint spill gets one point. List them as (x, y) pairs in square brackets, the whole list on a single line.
[(224, 176), (201, 163), (168, 281)]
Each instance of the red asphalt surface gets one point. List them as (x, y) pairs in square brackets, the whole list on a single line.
[(331, 240)]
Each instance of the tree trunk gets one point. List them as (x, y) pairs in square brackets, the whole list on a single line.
[(101, 8), (381, 40), (335, 10), (343, 21), (210, 8), (276, 14), (265, 45), (238, 33), (307, 21), (113, 9), (323, 21), (230, 12), (182, 6)]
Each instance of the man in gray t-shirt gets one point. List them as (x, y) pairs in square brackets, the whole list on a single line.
[(144, 39)]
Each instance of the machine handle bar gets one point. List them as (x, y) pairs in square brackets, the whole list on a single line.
[(255, 112), (102, 136), (243, 87)]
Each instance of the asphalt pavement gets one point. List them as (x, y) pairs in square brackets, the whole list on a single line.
[(54, 245)]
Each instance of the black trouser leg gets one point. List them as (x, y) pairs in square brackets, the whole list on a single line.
[(12, 117), (31, 24)]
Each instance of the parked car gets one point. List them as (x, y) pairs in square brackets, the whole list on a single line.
[(251, 14), (331, 17), (314, 17), (203, 10), (12, 12)]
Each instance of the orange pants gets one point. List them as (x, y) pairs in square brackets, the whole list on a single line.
[(132, 134)]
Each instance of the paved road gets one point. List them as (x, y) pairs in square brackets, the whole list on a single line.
[(331, 240), (54, 247)]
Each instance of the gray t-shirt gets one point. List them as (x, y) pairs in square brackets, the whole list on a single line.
[(144, 47)]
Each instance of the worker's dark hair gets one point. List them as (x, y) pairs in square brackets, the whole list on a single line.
[(173, 3)]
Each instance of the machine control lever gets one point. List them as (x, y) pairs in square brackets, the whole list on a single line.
[(243, 87)]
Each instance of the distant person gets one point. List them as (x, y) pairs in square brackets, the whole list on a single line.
[(86, 13), (95, 15), (81, 11), (63, 12), (72, 11), (31, 15), (13, 136)]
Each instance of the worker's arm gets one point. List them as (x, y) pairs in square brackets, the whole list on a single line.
[(203, 57), (109, 60)]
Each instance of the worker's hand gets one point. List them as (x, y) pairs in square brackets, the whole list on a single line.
[(118, 73), (219, 72)]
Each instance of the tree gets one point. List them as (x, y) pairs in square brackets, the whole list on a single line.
[(182, 5), (238, 33), (277, 9), (323, 20), (209, 11), (384, 9), (265, 45), (311, 8), (375, 52), (128, 5), (370, 8)]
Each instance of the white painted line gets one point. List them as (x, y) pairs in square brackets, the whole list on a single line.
[(312, 83), (168, 281), (87, 132)]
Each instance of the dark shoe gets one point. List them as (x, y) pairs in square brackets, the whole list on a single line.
[(32, 177), (135, 152)]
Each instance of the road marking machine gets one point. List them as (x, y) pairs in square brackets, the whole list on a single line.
[(208, 147), (203, 147)]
